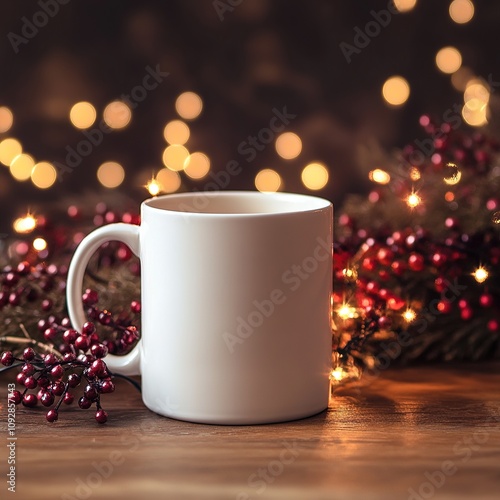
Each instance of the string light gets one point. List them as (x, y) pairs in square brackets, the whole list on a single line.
[(405, 5), (9, 149), (25, 224), (168, 180), (337, 374), (197, 165), (188, 105), (153, 187), (396, 91), (379, 176), (413, 200), (345, 311), (315, 176), (110, 174), (448, 60), (82, 115), (288, 145), (43, 175), (480, 274), (453, 174), (461, 11), (176, 132), (6, 119), (350, 274), (174, 157), (268, 181), (409, 315), (21, 167), (415, 174), (39, 244), (117, 115)]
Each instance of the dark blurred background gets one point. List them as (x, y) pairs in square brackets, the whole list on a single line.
[(321, 63)]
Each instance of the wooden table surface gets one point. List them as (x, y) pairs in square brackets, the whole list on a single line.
[(415, 433)]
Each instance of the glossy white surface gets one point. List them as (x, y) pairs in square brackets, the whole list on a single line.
[(235, 305)]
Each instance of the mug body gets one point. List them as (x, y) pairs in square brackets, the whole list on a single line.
[(236, 306)]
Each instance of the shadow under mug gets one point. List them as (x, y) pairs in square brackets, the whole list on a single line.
[(235, 293)]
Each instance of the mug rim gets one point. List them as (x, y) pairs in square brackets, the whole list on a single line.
[(316, 203)]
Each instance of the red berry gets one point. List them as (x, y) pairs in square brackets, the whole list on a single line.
[(50, 359), (29, 400), (135, 306), (74, 380), (69, 336), (30, 382), (52, 416), (46, 305), (84, 403), (90, 392), (88, 328), (15, 397), (7, 358), (68, 398), (101, 416), (107, 386), (57, 388), (28, 354), (47, 399), (384, 322), (98, 367), (57, 371), (90, 297), (28, 369), (82, 342), (99, 350)]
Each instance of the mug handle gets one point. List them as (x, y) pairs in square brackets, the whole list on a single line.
[(128, 364)]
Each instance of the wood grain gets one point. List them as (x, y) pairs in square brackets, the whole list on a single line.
[(379, 439)]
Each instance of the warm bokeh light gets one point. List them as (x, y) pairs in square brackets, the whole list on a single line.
[(174, 157), (480, 274), (476, 89), (288, 145), (415, 174), (448, 60), (449, 196), (337, 374), (176, 132), (350, 274), (153, 187), (452, 174), (110, 174), (396, 91), (6, 119), (188, 105), (82, 115), (39, 244), (461, 11), (379, 176), (475, 117), (9, 149), (268, 181), (43, 175), (461, 78), (168, 180), (345, 311), (117, 114), (24, 225), (405, 5), (21, 167), (314, 176), (197, 165), (413, 200), (409, 315)]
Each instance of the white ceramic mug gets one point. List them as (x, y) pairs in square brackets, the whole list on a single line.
[(235, 304)]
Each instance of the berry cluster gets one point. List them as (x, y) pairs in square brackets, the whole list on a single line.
[(67, 359)]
